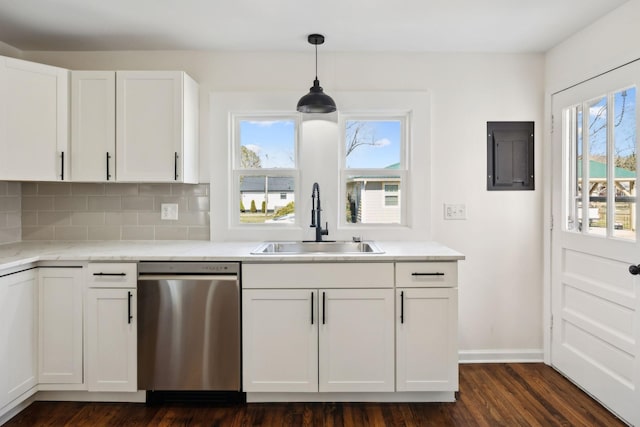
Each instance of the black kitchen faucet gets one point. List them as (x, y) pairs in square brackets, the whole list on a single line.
[(316, 216)]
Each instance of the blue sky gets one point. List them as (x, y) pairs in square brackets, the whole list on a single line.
[(273, 141), (624, 124), (383, 148)]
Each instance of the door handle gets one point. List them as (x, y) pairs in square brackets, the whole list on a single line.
[(312, 307), (323, 304), (108, 158), (129, 295), (634, 269), (401, 306), (175, 166)]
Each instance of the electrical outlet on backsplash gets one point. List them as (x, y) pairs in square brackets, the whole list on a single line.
[(114, 211)]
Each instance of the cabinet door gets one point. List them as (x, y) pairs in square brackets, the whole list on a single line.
[(18, 335), (280, 340), (356, 340), (93, 125), (427, 338), (60, 325), (33, 121), (111, 340), (149, 134)]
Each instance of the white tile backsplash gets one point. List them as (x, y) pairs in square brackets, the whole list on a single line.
[(10, 212), (93, 211)]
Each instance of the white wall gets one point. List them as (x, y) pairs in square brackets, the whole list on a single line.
[(609, 42), (8, 50), (501, 279)]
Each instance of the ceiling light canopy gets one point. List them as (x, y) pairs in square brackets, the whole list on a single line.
[(316, 101)]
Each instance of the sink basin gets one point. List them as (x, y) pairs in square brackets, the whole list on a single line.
[(291, 248)]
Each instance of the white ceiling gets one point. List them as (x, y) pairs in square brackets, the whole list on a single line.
[(282, 25)]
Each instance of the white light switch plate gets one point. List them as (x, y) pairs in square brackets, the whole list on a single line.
[(455, 211), (169, 211)]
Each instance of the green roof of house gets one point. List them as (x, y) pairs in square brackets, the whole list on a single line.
[(393, 166), (599, 170)]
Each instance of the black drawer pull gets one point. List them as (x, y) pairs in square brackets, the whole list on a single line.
[(427, 274), (312, 307), (109, 274), (402, 307)]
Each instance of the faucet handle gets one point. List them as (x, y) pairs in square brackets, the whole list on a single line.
[(325, 232), (356, 239)]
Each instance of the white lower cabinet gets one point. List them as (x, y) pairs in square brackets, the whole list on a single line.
[(18, 334), (356, 340), (111, 328), (280, 340), (60, 329), (362, 331), (426, 339), (308, 340)]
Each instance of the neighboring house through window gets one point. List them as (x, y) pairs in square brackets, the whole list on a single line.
[(374, 168), (265, 167)]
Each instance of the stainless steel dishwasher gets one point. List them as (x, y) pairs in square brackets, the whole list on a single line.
[(188, 326)]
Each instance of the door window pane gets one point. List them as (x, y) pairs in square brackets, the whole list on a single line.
[(597, 166), (267, 144), (624, 160)]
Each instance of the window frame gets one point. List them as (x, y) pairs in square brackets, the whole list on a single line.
[(402, 173), (237, 171)]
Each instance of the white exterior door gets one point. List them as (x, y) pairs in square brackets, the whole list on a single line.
[(595, 301), (60, 325), (33, 121), (112, 340), (93, 125), (426, 339), (280, 340), (356, 340)]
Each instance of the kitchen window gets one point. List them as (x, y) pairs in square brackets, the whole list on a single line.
[(265, 169), (374, 168)]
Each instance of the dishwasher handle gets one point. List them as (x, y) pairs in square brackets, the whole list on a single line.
[(218, 277)]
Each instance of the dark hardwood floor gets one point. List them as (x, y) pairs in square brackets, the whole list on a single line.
[(509, 394)]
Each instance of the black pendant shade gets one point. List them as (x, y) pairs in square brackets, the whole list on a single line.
[(316, 101)]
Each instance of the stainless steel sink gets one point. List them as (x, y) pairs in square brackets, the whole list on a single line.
[(291, 248)]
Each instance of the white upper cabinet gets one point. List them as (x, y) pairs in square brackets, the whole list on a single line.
[(157, 126), (34, 121), (93, 126)]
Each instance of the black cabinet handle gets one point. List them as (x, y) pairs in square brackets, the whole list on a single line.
[(634, 269), (427, 274), (175, 166), (109, 274), (323, 304), (402, 307), (108, 174), (129, 295), (312, 307), (62, 166)]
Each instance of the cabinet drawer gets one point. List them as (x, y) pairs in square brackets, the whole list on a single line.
[(112, 275), (318, 275), (427, 274)]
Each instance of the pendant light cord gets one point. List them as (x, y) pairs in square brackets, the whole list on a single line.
[(316, 62)]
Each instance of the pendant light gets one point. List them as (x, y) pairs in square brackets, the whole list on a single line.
[(316, 101)]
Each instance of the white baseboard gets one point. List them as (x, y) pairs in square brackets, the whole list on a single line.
[(533, 355), (424, 396), (92, 396)]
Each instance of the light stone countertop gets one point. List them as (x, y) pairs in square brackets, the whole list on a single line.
[(17, 254)]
